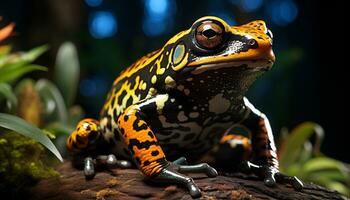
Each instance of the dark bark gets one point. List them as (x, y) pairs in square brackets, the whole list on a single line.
[(130, 184)]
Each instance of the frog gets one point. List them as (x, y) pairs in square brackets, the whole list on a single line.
[(180, 101)]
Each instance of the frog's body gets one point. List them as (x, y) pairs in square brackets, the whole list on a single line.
[(182, 99)]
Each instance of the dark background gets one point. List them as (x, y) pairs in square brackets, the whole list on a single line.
[(307, 82)]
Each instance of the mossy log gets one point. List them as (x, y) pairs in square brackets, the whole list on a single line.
[(130, 184)]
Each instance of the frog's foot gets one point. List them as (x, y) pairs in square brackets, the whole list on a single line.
[(173, 174), (271, 175), (109, 161)]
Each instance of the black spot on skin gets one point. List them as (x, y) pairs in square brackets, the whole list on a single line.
[(126, 117), (92, 136), (116, 134), (120, 98), (146, 163), (109, 122), (115, 115), (140, 145), (129, 101), (79, 140), (113, 100), (88, 128), (136, 126), (155, 153), (150, 134), (122, 131), (138, 161)]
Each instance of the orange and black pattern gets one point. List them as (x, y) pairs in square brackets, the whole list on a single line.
[(141, 142), (198, 98), (264, 150), (85, 134)]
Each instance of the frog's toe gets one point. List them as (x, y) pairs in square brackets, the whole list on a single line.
[(111, 161), (271, 175), (293, 180), (89, 168), (172, 176), (180, 161), (198, 168)]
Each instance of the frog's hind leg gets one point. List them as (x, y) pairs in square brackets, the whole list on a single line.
[(84, 142), (233, 150)]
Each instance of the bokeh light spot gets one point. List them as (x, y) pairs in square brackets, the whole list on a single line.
[(156, 7), (283, 12), (102, 24), (153, 27)]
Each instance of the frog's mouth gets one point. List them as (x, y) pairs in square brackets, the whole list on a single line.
[(249, 62), (245, 65)]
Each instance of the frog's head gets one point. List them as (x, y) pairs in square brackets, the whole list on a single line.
[(211, 44)]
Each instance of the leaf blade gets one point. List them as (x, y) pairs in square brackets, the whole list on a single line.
[(18, 125)]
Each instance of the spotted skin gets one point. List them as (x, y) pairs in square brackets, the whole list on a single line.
[(184, 98)]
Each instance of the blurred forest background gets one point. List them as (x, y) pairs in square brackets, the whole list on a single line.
[(110, 35)]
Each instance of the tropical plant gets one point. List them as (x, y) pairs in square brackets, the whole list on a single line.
[(302, 158), (13, 66)]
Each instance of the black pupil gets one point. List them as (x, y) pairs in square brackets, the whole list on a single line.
[(209, 33)]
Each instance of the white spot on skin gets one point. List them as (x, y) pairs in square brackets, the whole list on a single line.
[(189, 79), (186, 91), (182, 117), (218, 104), (160, 102), (154, 79), (194, 114), (172, 100), (170, 82)]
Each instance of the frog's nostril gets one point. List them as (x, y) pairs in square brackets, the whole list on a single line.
[(251, 42)]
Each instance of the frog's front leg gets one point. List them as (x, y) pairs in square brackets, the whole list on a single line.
[(84, 142), (147, 153), (264, 150)]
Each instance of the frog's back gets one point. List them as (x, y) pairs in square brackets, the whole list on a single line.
[(132, 85)]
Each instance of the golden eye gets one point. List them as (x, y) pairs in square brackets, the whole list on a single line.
[(209, 35)]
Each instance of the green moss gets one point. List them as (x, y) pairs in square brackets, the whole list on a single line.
[(23, 162)]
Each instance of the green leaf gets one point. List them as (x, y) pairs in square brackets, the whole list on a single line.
[(52, 99), (22, 58), (6, 91), (67, 69), (291, 148), (18, 125), (333, 175), (33, 54), (8, 74), (321, 164)]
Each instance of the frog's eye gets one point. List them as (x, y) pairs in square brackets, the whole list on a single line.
[(209, 35)]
